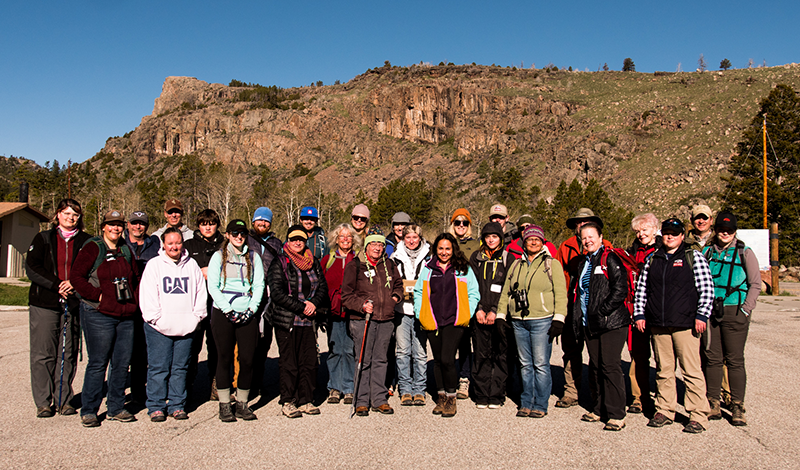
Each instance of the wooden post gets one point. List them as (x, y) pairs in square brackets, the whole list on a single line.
[(773, 258)]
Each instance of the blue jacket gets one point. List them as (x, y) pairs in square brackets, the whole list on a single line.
[(143, 253)]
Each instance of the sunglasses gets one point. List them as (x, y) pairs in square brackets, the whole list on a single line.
[(237, 233), (297, 239), (701, 217), (672, 226), (138, 222), (358, 218), (496, 217), (461, 223)]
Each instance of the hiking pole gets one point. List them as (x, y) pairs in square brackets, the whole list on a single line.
[(358, 369), (63, 352)]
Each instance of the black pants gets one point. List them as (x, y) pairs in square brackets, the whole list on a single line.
[(728, 337), (46, 340), (491, 368), (226, 336), (572, 346), (262, 350), (138, 370), (204, 328), (465, 355), (297, 364), (605, 372), (444, 343)]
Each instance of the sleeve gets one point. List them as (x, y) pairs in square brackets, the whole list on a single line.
[(150, 294), (320, 299), (200, 292), (418, 287), (502, 304), (259, 281), (704, 283), (279, 289), (559, 293), (214, 279), (753, 281), (397, 282), (640, 296), (79, 275), (473, 291), (34, 264), (617, 285), (350, 298)]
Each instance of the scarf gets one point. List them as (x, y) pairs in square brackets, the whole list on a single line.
[(66, 235), (303, 262), (413, 254)]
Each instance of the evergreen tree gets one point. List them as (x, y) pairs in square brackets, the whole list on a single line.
[(725, 64), (628, 65), (412, 197)]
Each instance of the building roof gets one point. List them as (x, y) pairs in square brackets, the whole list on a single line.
[(8, 208)]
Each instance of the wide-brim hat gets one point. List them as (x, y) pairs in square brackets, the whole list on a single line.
[(583, 215)]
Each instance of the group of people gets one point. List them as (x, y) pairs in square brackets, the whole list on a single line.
[(489, 308)]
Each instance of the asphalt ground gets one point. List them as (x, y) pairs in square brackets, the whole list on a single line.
[(412, 437)]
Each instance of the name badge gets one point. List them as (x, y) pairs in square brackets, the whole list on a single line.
[(598, 270), (369, 273), (496, 288), (678, 263), (409, 289)]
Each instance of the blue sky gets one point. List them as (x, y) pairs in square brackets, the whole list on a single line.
[(75, 73)]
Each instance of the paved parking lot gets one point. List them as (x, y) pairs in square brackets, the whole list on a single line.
[(412, 437)]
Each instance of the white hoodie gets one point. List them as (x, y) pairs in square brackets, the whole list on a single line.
[(410, 270), (172, 296)]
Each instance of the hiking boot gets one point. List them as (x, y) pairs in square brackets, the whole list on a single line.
[(214, 395), (123, 416), (362, 411), (449, 408), (180, 415), (437, 410), (635, 408), (523, 412), (715, 411), (226, 413), (90, 421), (67, 410), (158, 416), (334, 397), (737, 414), (406, 400), (291, 411), (537, 414), (725, 397), (614, 425), (419, 400), (463, 389), (693, 427), (44, 412), (348, 399), (385, 409), (590, 417), (243, 411), (309, 409), (659, 420), (566, 402)]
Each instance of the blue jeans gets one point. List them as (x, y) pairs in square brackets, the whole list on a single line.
[(108, 339), (341, 357), (534, 348), (168, 363), (412, 357)]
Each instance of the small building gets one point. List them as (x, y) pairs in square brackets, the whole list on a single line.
[(19, 223)]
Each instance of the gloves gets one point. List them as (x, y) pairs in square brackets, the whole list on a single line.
[(556, 327), (239, 318)]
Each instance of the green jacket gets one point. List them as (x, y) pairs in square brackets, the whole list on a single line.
[(547, 293)]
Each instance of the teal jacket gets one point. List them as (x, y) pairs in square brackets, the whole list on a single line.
[(235, 292), (465, 307)]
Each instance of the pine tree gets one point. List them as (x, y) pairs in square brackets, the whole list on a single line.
[(725, 64), (628, 65)]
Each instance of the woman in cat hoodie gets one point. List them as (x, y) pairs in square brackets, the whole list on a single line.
[(173, 301)]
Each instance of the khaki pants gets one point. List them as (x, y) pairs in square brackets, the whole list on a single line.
[(670, 344)]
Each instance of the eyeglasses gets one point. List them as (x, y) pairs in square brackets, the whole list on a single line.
[(237, 233), (358, 218), (461, 223)]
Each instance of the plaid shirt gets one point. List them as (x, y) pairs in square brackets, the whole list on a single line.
[(703, 282)]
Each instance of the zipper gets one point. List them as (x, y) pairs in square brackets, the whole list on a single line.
[(664, 291)]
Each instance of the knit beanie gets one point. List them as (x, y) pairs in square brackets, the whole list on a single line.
[(461, 213)]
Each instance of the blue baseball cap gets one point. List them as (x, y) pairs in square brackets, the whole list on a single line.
[(308, 212), (263, 213)]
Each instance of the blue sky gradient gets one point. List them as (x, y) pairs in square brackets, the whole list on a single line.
[(75, 73)]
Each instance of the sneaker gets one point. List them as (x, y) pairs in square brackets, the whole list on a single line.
[(291, 411), (566, 402), (463, 389), (481, 406), (614, 425), (693, 427), (659, 420), (348, 399), (385, 409), (362, 411), (715, 411), (737, 414), (419, 400), (334, 397), (180, 415), (226, 413), (494, 406), (44, 412), (309, 409), (406, 400), (523, 413), (158, 416), (67, 410), (590, 417), (537, 414), (391, 391), (243, 411), (90, 421), (123, 416), (635, 408)]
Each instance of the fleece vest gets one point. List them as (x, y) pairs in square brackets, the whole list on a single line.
[(671, 293)]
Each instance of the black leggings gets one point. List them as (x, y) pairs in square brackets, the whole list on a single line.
[(226, 336), (444, 344)]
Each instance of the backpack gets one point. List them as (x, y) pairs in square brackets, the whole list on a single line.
[(631, 270), (101, 245), (740, 246)]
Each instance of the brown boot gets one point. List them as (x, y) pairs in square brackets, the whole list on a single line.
[(449, 409), (214, 395), (715, 412), (437, 410), (737, 414)]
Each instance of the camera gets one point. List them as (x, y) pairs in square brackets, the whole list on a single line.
[(123, 289), (520, 297), (718, 308)]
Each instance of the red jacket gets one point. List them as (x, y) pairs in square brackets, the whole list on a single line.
[(91, 286), (334, 276)]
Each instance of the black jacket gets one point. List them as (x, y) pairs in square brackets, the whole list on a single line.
[(40, 265), (606, 310), (490, 272), (201, 249), (672, 295), (284, 307)]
